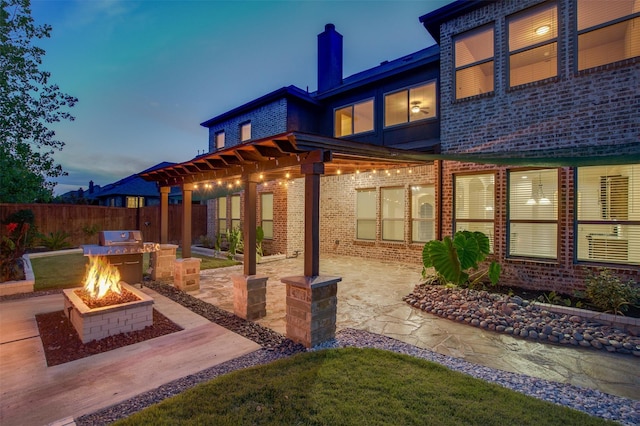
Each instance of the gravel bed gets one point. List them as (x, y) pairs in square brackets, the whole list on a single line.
[(275, 346)]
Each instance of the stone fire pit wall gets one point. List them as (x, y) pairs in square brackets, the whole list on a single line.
[(98, 323)]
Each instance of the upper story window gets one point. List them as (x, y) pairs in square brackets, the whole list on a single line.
[(608, 31), (219, 136), (474, 62), (355, 118), (411, 104), (245, 131), (533, 45)]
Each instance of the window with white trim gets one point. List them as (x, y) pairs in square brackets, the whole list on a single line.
[(533, 213), (533, 44), (235, 211), (222, 215), (474, 204), (608, 31), (245, 131), (353, 119), (392, 214), (422, 213), (411, 104), (266, 213), (366, 214), (608, 214), (474, 62), (219, 137)]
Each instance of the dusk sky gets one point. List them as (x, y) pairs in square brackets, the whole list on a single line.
[(147, 73)]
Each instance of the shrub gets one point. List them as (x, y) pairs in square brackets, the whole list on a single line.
[(609, 294), (56, 240), (455, 258)]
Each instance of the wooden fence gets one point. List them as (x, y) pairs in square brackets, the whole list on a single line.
[(82, 222)]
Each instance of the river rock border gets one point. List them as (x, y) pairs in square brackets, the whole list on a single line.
[(521, 318)]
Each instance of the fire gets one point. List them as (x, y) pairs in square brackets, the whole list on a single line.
[(101, 277)]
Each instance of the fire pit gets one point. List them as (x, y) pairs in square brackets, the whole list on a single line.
[(102, 280)]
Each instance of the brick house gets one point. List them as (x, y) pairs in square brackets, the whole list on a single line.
[(496, 128)]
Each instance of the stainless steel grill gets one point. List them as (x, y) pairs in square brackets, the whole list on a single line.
[(123, 249)]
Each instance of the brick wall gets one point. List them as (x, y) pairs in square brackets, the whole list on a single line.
[(266, 121)]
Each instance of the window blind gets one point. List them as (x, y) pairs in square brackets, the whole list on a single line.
[(392, 214), (366, 214)]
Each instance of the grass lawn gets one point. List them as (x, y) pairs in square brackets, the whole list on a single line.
[(354, 387), (67, 270)]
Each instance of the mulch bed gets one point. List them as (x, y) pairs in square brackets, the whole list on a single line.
[(62, 344)]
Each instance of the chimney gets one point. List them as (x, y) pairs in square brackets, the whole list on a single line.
[(90, 187), (329, 59)]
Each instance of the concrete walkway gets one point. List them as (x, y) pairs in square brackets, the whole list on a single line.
[(33, 394), (370, 298)]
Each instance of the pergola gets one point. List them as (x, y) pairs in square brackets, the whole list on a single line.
[(296, 154)]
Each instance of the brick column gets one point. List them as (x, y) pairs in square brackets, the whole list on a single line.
[(249, 296), (186, 274), (311, 309), (162, 263)]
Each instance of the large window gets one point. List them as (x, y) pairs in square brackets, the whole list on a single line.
[(411, 104), (474, 201), (533, 213), (392, 214), (366, 214), (245, 131), (474, 62), (608, 31), (222, 215), (235, 211), (608, 214), (219, 139), (422, 213), (352, 119), (533, 45), (266, 219), (135, 202)]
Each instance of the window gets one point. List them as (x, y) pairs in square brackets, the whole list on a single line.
[(474, 62), (533, 213), (134, 202), (222, 215), (608, 31), (266, 221), (412, 104), (366, 214), (245, 131), (392, 214), (608, 214), (422, 213), (474, 201), (219, 137), (352, 119), (533, 45), (235, 211)]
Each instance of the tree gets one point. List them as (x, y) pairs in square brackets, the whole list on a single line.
[(29, 103)]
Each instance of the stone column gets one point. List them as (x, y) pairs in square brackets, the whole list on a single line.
[(186, 274), (311, 309), (162, 263), (164, 214), (249, 296)]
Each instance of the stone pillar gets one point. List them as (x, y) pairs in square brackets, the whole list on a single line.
[(162, 262), (249, 296), (186, 273), (187, 192), (164, 214), (311, 309)]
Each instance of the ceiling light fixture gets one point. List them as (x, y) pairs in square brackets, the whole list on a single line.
[(543, 30), (415, 109)]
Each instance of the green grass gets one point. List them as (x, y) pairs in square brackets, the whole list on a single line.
[(67, 270), (354, 387)]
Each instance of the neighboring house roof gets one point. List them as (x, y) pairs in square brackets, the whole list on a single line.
[(284, 92), (386, 69), (433, 20)]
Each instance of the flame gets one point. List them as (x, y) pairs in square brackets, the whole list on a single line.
[(101, 277)]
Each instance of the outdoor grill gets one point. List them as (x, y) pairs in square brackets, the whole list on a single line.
[(123, 249)]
